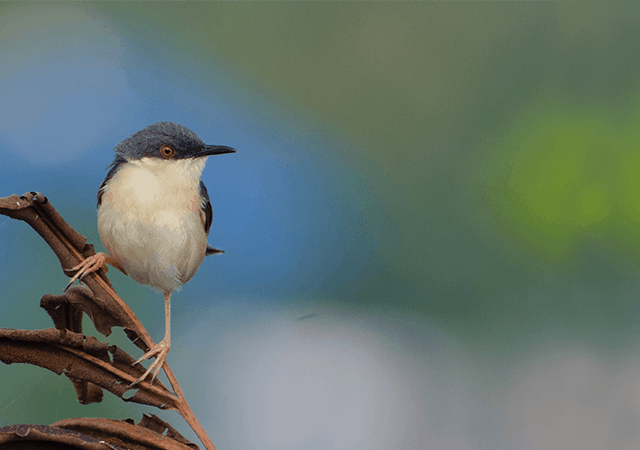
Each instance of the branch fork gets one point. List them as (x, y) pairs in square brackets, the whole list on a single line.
[(89, 364)]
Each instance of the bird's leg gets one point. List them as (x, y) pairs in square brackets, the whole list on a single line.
[(93, 264), (161, 349)]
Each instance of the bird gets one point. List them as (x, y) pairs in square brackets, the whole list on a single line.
[(154, 216)]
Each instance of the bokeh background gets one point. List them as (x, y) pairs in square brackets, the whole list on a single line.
[(432, 226)]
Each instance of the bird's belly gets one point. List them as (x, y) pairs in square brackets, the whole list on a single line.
[(158, 243)]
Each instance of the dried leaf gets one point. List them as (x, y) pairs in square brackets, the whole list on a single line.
[(80, 358), (86, 391), (155, 423), (133, 336), (65, 315), (42, 436), (124, 434), (65, 310)]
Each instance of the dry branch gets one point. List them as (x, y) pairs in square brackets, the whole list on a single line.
[(97, 434), (89, 364), (82, 358)]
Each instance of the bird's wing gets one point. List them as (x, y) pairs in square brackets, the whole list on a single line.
[(115, 165), (207, 217)]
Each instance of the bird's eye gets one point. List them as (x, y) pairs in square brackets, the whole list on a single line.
[(167, 151)]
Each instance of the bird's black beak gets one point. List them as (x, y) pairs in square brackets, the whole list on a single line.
[(208, 150)]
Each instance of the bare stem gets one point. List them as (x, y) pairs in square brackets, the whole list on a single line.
[(71, 249)]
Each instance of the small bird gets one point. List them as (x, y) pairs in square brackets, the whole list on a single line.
[(154, 215)]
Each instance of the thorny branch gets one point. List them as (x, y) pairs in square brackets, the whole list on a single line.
[(89, 364)]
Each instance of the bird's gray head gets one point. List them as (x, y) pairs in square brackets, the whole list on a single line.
[(166, 140)]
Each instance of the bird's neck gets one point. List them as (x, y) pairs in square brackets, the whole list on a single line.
[(151, 185), (171, 173)]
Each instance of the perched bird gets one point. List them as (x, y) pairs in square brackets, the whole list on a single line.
[(154, 215)]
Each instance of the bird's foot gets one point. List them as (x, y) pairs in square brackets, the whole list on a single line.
[(90, 264), (160, 352)]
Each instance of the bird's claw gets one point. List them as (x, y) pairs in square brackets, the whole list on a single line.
[(88, 265), (160, 352)]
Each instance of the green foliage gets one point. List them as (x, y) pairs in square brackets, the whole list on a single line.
[(561, 176)]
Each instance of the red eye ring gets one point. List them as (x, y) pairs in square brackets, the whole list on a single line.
[(167, 151)]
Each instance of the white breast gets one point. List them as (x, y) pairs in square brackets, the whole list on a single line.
[(151, 222)]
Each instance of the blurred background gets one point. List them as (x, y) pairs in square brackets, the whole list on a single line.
[(432, 225)]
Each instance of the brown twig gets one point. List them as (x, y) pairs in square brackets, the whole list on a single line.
[(71, 248)]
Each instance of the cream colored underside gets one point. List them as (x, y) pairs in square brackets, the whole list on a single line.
[(151, 220)]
